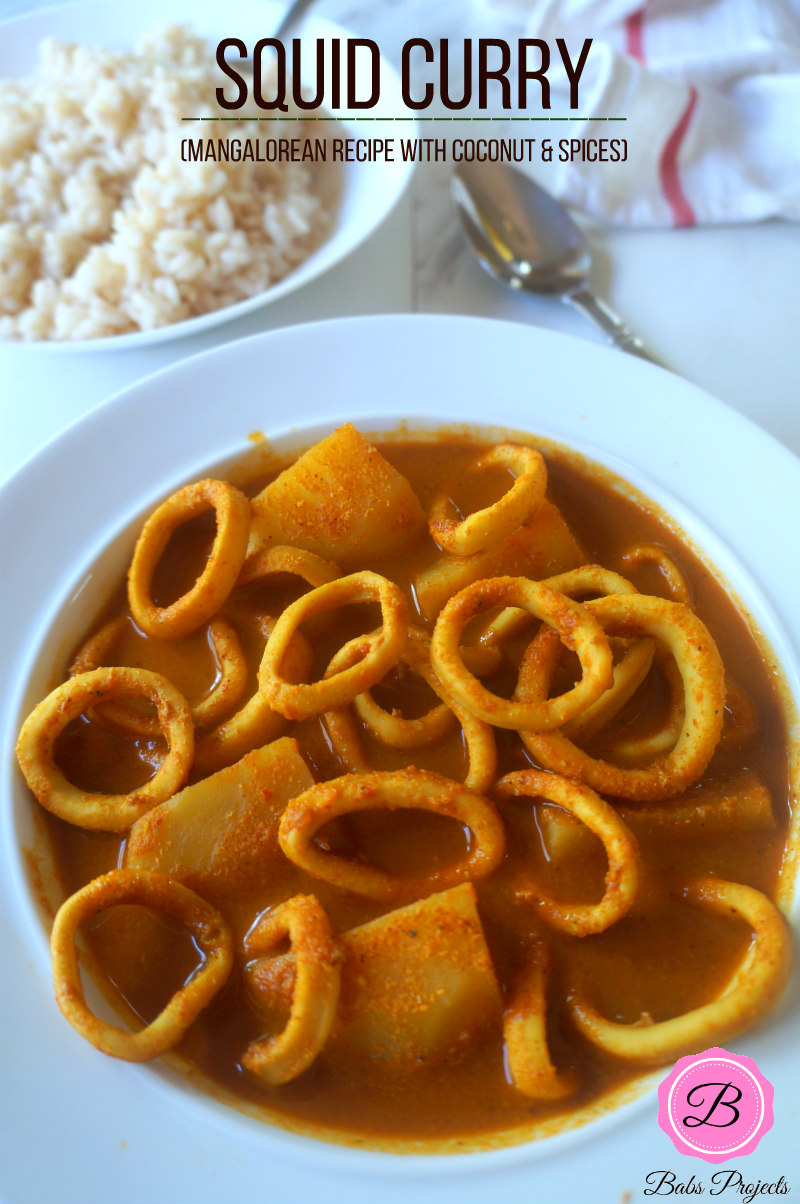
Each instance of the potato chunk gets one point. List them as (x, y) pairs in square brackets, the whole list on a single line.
[(417, 984), (221, 829), (740, 803), (342, 500), (542, 547)]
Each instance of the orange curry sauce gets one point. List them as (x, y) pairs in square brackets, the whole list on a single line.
[(663, 958)]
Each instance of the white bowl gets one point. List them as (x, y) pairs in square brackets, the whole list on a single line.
[(369, 190), (113, 1130)]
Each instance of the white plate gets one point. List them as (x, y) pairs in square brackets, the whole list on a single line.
[(369, 190), (81, 1127)]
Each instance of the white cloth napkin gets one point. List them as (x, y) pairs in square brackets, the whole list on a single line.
[(711, 92)]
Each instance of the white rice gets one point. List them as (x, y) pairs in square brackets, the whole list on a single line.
[(103, 230)]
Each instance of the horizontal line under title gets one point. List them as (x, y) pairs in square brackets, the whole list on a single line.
[(522, 117)]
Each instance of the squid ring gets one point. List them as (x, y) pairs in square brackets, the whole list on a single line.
[(675, 577), (219, 576), (478, 736), (342, 730), (752, 990), (632, 670), (282, 558), (318, 958), (85, 809), (404, 788), (624, 863), (703, 677), (255, 723), (227, 690), (208, 929), (93, 651), (525, 1035), (591, 578), (629, 673), (739, 723), (488, 526), (588, 578), (636, 749), (578, 629), (344, 735), (300, 700), (481, 748), (395, 730)]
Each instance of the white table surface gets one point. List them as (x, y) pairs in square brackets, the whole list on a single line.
[(720, 306)]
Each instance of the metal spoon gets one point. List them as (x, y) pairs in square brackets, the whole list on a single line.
[(291, 19), (526, 239), (288, 24)]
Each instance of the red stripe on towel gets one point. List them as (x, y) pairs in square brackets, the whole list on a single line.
[(682, 212), (634, 44)]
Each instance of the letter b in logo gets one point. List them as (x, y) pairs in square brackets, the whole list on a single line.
[(725, 1099)]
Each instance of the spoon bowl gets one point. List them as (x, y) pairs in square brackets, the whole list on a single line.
[(526, 238)]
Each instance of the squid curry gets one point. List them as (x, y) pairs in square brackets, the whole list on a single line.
[(429, 792)]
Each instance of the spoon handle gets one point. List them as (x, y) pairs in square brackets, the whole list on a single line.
[(610, 323), (291, 19)]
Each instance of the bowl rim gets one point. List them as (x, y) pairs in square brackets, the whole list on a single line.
[(402, 330)]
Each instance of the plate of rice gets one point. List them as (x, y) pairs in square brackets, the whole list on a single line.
[(129, 213)]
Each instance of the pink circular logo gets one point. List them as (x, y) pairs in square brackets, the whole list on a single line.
[(715, 1105)]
